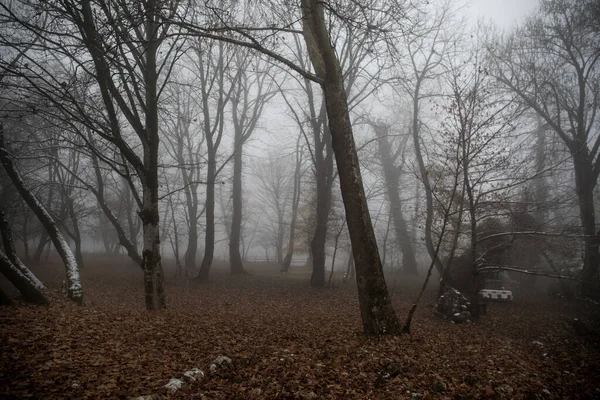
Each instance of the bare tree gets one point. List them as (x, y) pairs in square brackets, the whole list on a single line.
[(377, 313), (392, 177), (15, 271), (74, 290), (419, 55), (212, 62), (115, 45), (246, 113), (551, 63), (185, 139), (275, 177), (298, 173)]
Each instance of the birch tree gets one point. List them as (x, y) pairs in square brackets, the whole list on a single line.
[(119, 47)]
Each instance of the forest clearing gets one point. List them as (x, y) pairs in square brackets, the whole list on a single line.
[(286, 341)]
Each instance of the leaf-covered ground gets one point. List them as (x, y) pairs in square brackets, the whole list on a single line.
[(286, 341)]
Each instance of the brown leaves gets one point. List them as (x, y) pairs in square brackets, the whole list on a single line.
[(285, 341)]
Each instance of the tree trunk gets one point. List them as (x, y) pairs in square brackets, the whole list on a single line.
[(350, 272), (29, 292), (124, 241), (209, 239), (390, 172), (74, 291), (130, 214), (192, 247), (76, 233), (287, 261), (280, 236), (378, 316), (149, 213), (25, 236), (584, 186), (324, 177), (39, 250), (426, 183), (235, 258), (15, 271), (175, 243), (44, 237)]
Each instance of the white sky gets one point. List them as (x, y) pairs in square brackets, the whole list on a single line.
[(504, 13)]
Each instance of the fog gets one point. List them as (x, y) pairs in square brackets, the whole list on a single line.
[(363, 199), (387, 138)]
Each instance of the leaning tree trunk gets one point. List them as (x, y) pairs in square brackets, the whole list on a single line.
[(44, 237), (377, 314), (74, 291), (15, 271), (29, 292), (391, 176), (235, 258)]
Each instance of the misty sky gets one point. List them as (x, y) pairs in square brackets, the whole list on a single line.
[(505, 13)]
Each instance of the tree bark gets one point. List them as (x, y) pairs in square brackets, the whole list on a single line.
[(378, 316), (149, 213), (74, 290), (15, 271), (76, 233)]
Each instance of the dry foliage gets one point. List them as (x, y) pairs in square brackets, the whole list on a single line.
[(286, 341)]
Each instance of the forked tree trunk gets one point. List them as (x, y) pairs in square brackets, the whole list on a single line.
[(74, 291), (15, 271), (378, 316), (390, 172)]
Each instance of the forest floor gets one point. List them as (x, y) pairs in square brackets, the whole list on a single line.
[(286, 341)]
